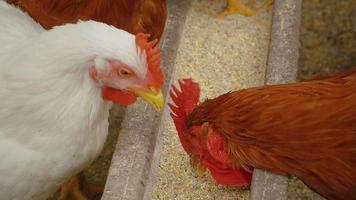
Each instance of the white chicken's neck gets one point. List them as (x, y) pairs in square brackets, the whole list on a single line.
[(63, 100)]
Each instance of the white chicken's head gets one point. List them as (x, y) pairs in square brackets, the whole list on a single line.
[(123, 65), (122, 83)]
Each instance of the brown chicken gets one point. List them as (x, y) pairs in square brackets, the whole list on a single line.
[(134, 16), (306, 129)]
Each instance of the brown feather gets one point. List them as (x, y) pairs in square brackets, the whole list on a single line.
[(135, 16), (307, 129)]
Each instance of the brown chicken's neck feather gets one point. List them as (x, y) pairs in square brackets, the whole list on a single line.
[(306, 129)]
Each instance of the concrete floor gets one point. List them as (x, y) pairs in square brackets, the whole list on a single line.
[(328, 37)]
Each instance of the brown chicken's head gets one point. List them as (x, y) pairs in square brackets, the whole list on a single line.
[(122, 83), (206, 148)]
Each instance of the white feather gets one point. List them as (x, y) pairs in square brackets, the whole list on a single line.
[(53, 121)]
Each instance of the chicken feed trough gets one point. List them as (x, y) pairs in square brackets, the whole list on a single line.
[(221, 55)]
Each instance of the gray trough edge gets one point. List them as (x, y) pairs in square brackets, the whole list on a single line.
[(282, 67), (131, 162)]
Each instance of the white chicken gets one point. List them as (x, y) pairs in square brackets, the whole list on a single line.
[(56, 91)]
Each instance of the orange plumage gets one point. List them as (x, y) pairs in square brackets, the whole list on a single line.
[(306, 129), (135, 16)]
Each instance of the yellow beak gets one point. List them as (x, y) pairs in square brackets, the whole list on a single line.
[(153, 97)]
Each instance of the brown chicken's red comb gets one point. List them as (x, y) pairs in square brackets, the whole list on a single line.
[(184, 103), (153, 59), (216, 160)]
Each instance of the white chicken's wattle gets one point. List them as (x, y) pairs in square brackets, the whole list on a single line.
[(53, 118)]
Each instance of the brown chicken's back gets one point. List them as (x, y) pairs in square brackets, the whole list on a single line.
[(307, 129), (135, 16)]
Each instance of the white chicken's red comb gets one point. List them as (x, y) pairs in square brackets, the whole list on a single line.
[(184, 103), (153, 54)]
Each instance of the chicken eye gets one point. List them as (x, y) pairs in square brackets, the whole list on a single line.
[(125, 72)]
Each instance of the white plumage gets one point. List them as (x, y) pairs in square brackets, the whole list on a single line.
[(53, 120)]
